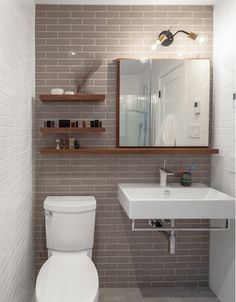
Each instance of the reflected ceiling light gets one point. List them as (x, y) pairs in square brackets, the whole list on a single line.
[(143, 60), (166, 38)]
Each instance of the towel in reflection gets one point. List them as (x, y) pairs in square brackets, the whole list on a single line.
[(167, 133)]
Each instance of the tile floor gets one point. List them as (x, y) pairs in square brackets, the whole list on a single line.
[(157, 295)]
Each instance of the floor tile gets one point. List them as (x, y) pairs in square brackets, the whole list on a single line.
[(156, 295)]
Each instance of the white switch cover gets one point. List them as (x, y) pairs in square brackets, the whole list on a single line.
[(194, 131)]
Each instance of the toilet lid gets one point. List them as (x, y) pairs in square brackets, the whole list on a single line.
[(67, 278)]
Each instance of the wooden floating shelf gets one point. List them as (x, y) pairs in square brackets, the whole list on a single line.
[(81, 97), (111, 150), (73, 130)]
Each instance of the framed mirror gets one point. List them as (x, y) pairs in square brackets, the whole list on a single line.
[(163, 103)]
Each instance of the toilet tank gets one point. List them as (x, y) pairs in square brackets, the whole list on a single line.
[(69, 222)]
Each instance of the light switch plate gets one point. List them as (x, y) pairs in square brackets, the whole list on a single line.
[(194, 131)]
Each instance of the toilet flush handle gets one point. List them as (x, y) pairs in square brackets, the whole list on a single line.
[(47, 213)]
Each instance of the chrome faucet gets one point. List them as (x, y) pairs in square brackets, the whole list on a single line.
[(163, 174)]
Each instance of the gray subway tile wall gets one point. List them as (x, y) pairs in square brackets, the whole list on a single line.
[(98, 35)]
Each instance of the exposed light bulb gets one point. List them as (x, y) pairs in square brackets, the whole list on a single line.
[(180, 54), (143, 60), (202, 39), (156, 45)]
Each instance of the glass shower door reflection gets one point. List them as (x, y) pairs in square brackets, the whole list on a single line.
[(135, 121), (135, 103)]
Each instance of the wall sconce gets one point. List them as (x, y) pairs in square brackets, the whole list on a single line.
[(166, 38)]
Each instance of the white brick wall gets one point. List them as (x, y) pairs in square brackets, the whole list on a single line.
[(222, 245), (16, 196)]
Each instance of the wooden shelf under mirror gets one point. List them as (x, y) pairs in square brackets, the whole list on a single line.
[(73, 130), (111, 150), (81, 97)]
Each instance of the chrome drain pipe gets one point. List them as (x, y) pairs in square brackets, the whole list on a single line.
[(172, 238), (169, 235)]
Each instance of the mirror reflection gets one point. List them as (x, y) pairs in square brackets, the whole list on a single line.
[(164, 103)]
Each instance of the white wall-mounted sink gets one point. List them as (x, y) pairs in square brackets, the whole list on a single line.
[(144, 201)]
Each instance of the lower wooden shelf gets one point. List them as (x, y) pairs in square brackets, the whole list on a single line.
[(113, 150), (73, 130)]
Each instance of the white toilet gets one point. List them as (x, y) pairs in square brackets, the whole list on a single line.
[(69, 274)]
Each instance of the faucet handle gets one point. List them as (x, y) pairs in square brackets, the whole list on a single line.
[(167, 171), (164, 164), (164, 169)]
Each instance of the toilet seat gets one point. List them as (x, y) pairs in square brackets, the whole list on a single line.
[(67, 278)]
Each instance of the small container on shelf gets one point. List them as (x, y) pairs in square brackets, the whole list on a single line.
[(69, 92), (71, 143), (49, 124), (64, 144), (64, 123), (96, 123), (57, 91), (58, 143), (76, 144)]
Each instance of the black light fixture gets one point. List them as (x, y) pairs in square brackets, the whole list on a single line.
[(166, 38)]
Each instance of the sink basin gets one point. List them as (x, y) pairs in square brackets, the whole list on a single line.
[(144, 201)]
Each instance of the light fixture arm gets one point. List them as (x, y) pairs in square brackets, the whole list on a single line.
[(181, 31)]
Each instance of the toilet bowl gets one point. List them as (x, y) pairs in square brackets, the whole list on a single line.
[(69, 275), (67, 278)]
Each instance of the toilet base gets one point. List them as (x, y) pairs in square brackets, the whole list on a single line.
[(53, 284)]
